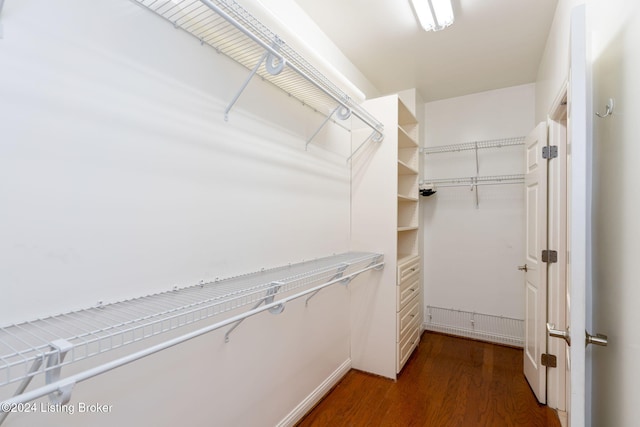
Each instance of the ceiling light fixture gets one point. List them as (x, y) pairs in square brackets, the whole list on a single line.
[(434, 15)]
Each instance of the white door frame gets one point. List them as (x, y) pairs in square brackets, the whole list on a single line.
[(579, 191)]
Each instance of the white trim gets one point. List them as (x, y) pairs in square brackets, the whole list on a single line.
[(316, 395), (580, 219)]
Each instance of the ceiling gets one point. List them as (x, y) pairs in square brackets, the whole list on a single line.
[(492, 43)]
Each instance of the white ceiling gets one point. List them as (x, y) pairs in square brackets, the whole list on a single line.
[(492, 43)]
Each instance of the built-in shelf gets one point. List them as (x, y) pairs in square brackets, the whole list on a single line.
[(403, 258), (405, 169), (402, 198), (405, 140), (408, 284), (31, 349)]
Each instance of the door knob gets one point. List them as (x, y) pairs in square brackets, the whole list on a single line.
[(523, 268), (597, 339), (558, 333)]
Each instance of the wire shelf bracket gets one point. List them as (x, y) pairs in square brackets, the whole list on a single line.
[(233, 31), (243, 87), (268, 299), (326, 120), (374, 136), (44, 346), (338, 275)]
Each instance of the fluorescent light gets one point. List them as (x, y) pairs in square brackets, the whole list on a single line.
[(434, 15)]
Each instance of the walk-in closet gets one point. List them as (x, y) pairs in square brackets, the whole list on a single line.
[(265, 213)]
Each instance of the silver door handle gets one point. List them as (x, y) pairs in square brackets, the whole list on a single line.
[(523, 268), (558, 333), (597, 339)]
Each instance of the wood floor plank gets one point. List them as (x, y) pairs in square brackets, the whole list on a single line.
[(448, 382)]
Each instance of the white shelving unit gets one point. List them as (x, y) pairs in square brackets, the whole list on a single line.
[(230, 29), (43, 346), (386, 215), (409, 295)]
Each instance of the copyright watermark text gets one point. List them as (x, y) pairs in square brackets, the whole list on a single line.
[(46, 407)]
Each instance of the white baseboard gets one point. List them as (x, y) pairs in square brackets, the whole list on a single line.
[(316, 395)]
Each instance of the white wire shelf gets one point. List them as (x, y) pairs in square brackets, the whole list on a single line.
[(473, 181), (25, 347), (233, 31), (473, 145)]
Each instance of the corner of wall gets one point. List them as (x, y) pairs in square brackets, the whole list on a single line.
[(553, 69)]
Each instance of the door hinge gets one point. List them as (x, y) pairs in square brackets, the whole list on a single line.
[(550, 152), (549, 256), (549, 360)]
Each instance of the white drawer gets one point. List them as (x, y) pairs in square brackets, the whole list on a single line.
[(406, 347), (406, 291), (408, 317), (408, 268)]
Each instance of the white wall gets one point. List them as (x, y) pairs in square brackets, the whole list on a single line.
[(119, 178), (471, 255), (615, 32), (553, 70)]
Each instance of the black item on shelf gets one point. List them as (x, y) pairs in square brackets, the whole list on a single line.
[(427, 192)]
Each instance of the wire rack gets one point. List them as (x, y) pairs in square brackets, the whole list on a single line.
[(100, 329), (492, 143), (484, 327), (474, 181), (233, 31)]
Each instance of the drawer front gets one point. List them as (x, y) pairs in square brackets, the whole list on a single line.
[(408, 317), (406, 347), (409, 268), (406, 291)]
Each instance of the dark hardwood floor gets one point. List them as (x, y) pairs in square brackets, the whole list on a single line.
[(448, 381)]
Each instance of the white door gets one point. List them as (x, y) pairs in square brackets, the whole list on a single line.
[(535, 337)]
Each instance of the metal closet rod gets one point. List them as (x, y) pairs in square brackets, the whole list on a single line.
[(64, 386), (474, 145), (378, 127)]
